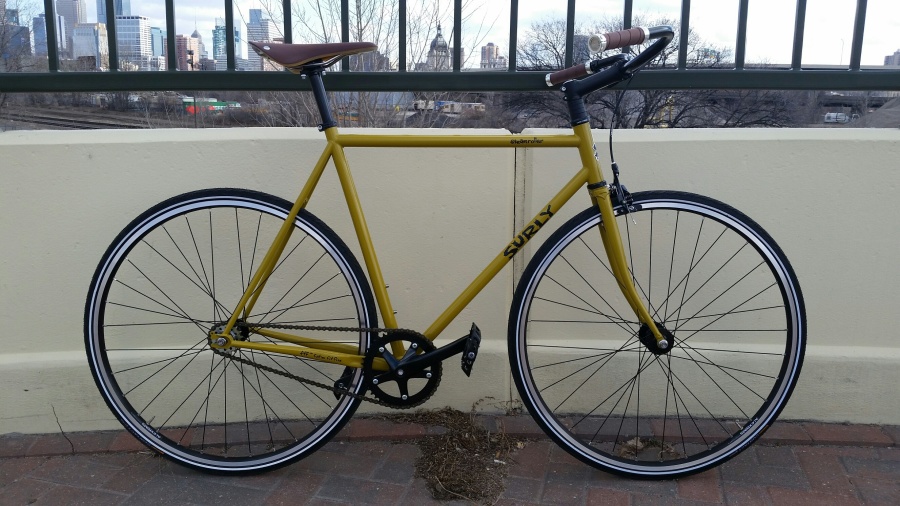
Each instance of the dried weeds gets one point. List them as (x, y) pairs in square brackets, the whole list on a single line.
[(466, 462)]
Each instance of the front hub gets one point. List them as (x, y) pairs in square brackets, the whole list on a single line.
[(645, 335)]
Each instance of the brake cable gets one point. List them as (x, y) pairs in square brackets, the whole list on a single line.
[(620, 193)]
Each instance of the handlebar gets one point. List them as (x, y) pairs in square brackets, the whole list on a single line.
[(615, 40)]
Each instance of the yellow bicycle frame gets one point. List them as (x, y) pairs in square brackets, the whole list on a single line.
[(348, 355)]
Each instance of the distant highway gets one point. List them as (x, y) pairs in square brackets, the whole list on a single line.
[(857, 101)]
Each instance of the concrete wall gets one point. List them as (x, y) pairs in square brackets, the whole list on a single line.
[(829, 197)]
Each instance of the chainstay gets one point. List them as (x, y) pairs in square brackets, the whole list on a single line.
[(330, 388)]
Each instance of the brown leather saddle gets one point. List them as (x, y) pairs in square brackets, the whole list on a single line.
[(295, 56)]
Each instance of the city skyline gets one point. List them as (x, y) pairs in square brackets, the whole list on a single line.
[(769, 31), (122, 8), (881, 35)]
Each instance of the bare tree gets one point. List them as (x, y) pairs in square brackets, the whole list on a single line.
[(373, 21), (15, 41), (543, 48)]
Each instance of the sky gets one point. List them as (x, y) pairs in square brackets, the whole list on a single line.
[(827, 37)]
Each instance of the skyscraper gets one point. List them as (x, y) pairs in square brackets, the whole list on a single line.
[(39, 29), (133, 40), (157, 41), (259, 29), (123, 8), (10, 16), (202, 48), (220, 43), (491, 57), (187, 52), (219, 51), (89, 44), (892, 59), (74, 12), (15, 43)]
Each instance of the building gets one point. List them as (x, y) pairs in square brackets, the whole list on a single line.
[(440, 55), (10, 16), (491, 57), (220, 55), (157, 41), (15, 42), (89, 45), (259, 29), (74, 12), (220, 41), (581, 51), (892, 59), (39, 31), (187, 53), (123, 8), (372, 61), (202, 48), (134, 43)]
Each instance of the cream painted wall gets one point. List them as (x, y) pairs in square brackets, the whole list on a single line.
[(437, 218), (831, 199)]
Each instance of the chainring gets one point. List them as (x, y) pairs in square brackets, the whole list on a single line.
[(392, 387)]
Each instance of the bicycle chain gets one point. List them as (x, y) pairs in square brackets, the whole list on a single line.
[(310, 382)]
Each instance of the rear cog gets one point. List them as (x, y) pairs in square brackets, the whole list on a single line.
[(407, 383)]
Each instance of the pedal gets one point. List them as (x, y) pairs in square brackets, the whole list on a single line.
[(470, 351)]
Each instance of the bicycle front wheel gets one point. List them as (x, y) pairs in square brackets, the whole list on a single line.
[(729, 303), (177, 272)]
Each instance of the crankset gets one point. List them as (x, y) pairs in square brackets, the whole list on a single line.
[(411, 379)]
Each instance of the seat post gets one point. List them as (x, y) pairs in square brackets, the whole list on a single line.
[(318, 89)]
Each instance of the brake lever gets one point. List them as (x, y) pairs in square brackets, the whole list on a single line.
[(609, 61)]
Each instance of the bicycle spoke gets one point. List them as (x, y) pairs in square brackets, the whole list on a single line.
[(695, 332), (186, 264), (167, 385), (633, 408), (180, 312), (610, 272), (184, 353), (199, 256), (671, 266), (208, 291), (606, 356)]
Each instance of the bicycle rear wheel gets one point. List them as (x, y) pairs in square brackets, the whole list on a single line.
[(178, 271), (733, 311)]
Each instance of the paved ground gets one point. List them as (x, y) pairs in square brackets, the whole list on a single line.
[(795, 464)]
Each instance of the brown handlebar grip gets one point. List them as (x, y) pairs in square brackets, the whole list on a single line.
[(561, 76), (622, 38)]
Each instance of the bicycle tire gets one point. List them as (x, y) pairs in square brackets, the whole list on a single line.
[(179, 270), (723, 289)]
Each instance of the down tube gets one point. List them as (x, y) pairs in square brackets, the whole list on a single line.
[(506, 255)]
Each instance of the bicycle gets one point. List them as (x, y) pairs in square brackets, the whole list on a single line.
[(654, 335)]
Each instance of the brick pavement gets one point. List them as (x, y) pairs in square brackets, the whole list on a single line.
[(794, 464)]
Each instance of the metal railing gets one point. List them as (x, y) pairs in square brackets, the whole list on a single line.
[(740, 75)]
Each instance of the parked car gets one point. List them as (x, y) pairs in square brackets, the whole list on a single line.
[(840, 117)]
